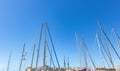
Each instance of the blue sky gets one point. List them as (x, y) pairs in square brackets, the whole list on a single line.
[(20, 23)]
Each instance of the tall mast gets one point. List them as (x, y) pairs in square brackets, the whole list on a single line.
[(22, 57), (68, 64), (32, 58), (44, 59), (109, 41), (116, 36), (105, 41), (53, 46), (84, 52), (91, 60), (64, 64), (77, 45), (38, 50), (108, 52), (100, 50), (86, 49), (51, 58), (9, 61)]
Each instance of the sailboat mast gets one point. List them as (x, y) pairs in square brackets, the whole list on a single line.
[(84, 52), (104, 50), (105, 41), (64, 64), (9, 61), (116, 36), (38, 50), (51, 58), (109, 53), (44, 58), (50, 52), (77, 45), (53, 46), (104, 34), (100, 50), (22, 57), (68, 64), (32, 58), (91, 60)]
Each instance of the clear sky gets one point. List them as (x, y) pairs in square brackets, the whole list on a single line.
[(20, 23)]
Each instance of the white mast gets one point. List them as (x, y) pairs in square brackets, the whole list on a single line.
[(77, 45), (64, 64), (38, 50), (106, 45), (9, 61), (116, 36), (22, 57), (84, 52), (32, 58), (100, 50), (44, 59)]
